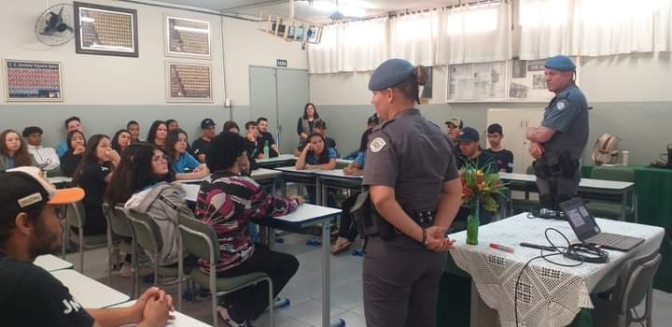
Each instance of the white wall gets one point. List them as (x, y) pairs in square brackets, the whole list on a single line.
[(107, 91)]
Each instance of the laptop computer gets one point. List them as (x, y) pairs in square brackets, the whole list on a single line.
[(586, 229)]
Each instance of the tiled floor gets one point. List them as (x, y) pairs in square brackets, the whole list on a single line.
[(305, 289)]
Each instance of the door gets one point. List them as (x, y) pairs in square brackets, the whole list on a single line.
[(279, 94), (263, 97), (514, 124)]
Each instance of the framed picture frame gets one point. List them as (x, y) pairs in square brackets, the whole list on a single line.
[(105, 30), (188, 82), (186, 37), (32, 81), (527, 82), (477, 82)]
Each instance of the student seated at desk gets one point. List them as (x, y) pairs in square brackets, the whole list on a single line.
[(157, 133), (321, 129), (93, 174), (347, 231), (229, 201), (317, 155), (31, 296), (14, 151), (184, 164), (472, 155), (121, 140), (46, 158), (74, 153), (71, 124), (143, 183)]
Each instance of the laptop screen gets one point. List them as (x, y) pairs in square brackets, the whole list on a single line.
[(579, 218)]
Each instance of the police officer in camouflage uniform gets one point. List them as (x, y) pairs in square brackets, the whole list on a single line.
[(558, 143), (414, 187)]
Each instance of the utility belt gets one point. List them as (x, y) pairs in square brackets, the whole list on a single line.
[(556, 164), (370, 223)]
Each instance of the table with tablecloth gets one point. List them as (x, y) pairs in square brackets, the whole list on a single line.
[(548, 294), (654, 206)]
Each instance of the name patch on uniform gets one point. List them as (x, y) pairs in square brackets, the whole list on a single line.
[(377, 144)]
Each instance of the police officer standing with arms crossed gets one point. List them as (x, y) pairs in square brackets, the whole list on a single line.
[(558, 143), (414, 187)]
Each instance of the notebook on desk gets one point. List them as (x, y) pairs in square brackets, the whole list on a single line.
[(586, 229)]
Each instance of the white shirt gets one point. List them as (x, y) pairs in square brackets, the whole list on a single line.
[(46, 158)]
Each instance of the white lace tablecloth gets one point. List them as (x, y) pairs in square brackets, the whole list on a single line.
[(549, 295)]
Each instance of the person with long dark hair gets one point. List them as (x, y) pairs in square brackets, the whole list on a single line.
[(93, 174), (184, 164), (76, 145), (14, 151), (306, 122), (157, 133), (142, 183), (316, 154), (121, 140), (229, 201)]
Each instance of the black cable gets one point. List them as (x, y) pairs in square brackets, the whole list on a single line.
[(571, 251)]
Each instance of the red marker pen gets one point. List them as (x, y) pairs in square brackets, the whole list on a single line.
[(501, 247)]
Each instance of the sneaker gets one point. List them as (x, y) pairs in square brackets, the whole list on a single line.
[(279, 303), (126, 271), (228, 321)]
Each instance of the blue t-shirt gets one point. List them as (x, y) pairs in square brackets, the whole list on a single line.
[(185, 164), (311, 160), (62, 149), (361, 159)]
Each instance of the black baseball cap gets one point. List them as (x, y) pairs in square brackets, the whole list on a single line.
[(25, 187), (207, 123), (468, 134), (31, 130)]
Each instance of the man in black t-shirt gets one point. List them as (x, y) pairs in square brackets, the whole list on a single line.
[(263, 138), (503, 157), (200, 146), (31, 296), (472, 153)]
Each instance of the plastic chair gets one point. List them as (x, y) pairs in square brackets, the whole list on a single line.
[(75, 217), (634, 284), (148, 237), (118, 232), (200, 239), (610, 209)]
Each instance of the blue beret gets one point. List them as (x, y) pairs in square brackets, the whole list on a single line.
[(468, 134), (390, 73), (560, 63)]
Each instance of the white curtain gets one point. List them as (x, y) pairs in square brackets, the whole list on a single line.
[(413, 37), (608, 27), (663, 33), (348, 47), (544, 28), (475, 33)]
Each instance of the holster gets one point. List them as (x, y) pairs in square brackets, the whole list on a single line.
[(554, 164)]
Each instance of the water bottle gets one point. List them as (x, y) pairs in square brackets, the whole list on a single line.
[(266, 150)]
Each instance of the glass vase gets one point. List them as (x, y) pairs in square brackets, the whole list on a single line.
[(473, 223)]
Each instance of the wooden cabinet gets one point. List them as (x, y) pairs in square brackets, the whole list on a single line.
[(514, 124)]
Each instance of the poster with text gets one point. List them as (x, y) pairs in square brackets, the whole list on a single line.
[(33, 80)]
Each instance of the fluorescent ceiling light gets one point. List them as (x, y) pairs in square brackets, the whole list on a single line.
[(191, 29), (330, 7), (88, 19)]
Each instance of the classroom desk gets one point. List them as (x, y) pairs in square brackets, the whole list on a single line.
[(336, 179), (59, 180), (181, 320), (596, 189), (261, 176), (279, 161), (553, 295), (300, 176), (52, 263), (88, 292), (305, 216)]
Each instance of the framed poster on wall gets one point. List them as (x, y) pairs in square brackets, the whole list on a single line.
[(33, 80), (477, 82), (187, 82), (105, 30), (187, 38), (527, 81)]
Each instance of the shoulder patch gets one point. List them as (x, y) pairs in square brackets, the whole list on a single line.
[(562, 104), (377, 144)]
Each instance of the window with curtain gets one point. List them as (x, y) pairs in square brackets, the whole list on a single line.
[(608, 27), (348, 47), (544, 28), (475, 33), (413, 37)]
